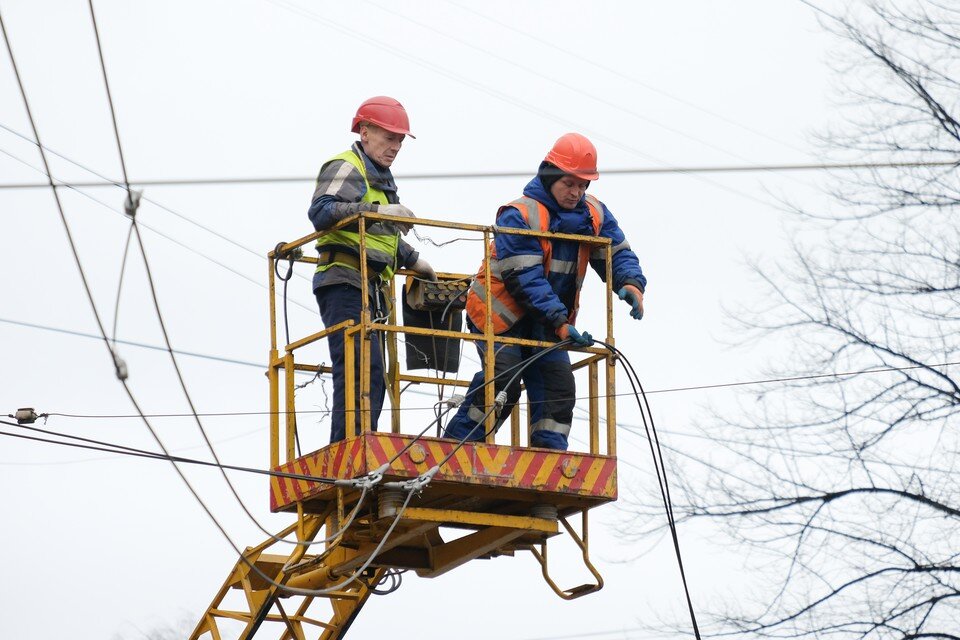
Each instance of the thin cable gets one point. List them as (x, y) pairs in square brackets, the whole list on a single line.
[(123, 268), (112, 447), (106, 182), (160, 233), (156, 302), (615, 395)]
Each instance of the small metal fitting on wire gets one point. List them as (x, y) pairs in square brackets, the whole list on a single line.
[(25, 415), (500, 401), (132, 203), (415, 484), (454, 401), (121, 366)]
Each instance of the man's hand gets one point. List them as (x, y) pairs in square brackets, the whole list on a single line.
[(423, 267), (398, 210), (581, 339), (633, 297)]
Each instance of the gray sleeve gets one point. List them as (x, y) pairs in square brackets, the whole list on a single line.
[(406, 254), (339, 191)]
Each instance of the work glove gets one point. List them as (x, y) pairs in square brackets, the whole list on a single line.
[(583, 339), (397, 210), (634, 298), (423, 267)]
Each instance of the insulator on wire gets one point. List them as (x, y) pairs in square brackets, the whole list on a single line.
[(26, 415)]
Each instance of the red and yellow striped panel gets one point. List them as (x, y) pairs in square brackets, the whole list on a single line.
[(562, 472)]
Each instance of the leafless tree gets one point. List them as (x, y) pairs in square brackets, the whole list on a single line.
[(847, 486)]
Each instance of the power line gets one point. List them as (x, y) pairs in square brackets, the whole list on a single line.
[(470, 175), (143, 345), (111, 447), (699, 387), (202, 254)]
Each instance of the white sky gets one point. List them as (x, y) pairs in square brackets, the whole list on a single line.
[(98, 546)]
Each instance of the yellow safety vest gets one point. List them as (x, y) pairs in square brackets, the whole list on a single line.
[(382, 240)]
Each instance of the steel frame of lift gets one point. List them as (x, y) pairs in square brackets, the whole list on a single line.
[(500, 498)]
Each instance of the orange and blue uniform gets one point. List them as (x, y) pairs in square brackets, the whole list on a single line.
[(535, 286)]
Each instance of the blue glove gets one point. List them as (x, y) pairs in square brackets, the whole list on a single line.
[(634, 298), (580, 339)]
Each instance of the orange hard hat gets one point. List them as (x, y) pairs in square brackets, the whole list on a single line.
[(385, 112), (572, 153)]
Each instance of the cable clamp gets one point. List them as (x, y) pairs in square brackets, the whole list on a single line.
[(368, 481), (500, 401), (454, 401), (414, 484), (132, 203)]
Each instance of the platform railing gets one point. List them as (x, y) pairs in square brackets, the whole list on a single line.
[(283, 421)]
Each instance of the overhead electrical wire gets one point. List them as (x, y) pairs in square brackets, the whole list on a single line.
[(112, 447), (699, 387), (470, 175), (132, 202), (201, 254), (580, 57), (121, 374)]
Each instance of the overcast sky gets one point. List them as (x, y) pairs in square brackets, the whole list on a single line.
[(98, 546)]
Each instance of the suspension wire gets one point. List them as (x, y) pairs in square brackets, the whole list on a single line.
[(123, 268), (117, 363), (156, 302)]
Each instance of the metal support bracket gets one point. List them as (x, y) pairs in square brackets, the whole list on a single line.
[(583, 543)]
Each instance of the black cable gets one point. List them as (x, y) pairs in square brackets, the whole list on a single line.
[(285, 279), (661, 472), (520, 368), (111, 447)]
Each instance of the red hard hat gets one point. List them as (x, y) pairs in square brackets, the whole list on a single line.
[(572, 153), (384, 112)]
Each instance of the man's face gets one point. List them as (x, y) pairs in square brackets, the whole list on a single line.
[(568, 190), (380, 145)]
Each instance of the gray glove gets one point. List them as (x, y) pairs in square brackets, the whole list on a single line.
[(397, 210), (423, 267)]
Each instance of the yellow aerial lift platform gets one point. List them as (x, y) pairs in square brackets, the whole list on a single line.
[(388, 501)]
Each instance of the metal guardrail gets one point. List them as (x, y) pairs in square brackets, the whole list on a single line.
[(600, 442)]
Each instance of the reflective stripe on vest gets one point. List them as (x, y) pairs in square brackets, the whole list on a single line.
[(505, 310), (382, 241)]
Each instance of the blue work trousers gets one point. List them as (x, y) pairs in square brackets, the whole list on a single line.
[(549, 383), (337, 303)]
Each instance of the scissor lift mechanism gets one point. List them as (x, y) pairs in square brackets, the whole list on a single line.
[(502, 498)]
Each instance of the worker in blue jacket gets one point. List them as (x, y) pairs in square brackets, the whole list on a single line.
[(535, 288)]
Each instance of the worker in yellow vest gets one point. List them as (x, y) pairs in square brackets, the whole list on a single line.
[(535, 292), (360, 180)]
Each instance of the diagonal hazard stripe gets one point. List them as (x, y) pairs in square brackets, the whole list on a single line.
[(600, 488), (546, 468), (555, 479), (536, 461)]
